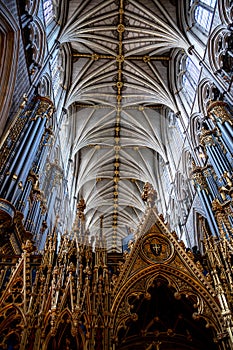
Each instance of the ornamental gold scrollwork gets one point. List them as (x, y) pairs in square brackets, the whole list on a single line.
[(218, 112), (208, 171), (206, 137), (45, 108), (199, 179)]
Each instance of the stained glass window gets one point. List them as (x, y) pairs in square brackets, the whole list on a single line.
[(203, 13), (190, 79), (48, 11), (55, 75)]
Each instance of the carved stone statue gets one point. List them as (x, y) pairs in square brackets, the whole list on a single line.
[(149, 195)]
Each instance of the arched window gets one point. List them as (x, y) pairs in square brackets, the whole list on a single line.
[(190, 74), (57, 72), (175, 135), (221, 54), (165, 178), (202, 13), (48, 11), (55, 76), (226, 11), (44, 86)]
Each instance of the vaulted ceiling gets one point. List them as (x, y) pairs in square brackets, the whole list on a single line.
[(117, 104)]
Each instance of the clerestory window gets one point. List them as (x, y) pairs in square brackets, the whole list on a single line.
[(202, 13), (190, 75), (56, 74), (48, 11)]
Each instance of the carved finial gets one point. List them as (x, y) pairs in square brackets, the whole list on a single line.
[(226, 190), (149, 195), (101, 227), (228, 178), (71, 268), (28, 247), (25, 99), (216, 205), (193, 164), (100, 239)]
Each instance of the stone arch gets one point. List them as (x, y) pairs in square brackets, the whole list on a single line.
[(31, 6), (66, 65), (199, 219), (9, 47), (226, 11), (60, 11), (187, 167), (183, 67), (196, 121), (195, 127), (12, 322), (175, 79), (61, 70), (157, 255), (187, 18), (37, 40), (207, 91), (181, 286), (220, 48), (184, 15), (44, 86)]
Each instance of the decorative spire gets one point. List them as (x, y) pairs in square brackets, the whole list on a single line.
[(81, 206), (101, 228)]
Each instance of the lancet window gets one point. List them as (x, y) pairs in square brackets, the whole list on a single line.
[(56, 74), (48, 11), (189, 78), (165, 177), (202, 13)]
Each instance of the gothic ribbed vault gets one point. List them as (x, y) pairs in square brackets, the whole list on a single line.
[(117, 106)]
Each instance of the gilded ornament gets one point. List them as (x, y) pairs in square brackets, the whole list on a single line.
[(28, 246), (146, 59), (120, 28), (199, 179), (120, 58), (119, 84), (95, 57), (217, 111), (216, 205), (206, 137)]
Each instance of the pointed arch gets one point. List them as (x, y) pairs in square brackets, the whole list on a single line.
[(157, 258), (220, 50), (12, 321), (67, 331)]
